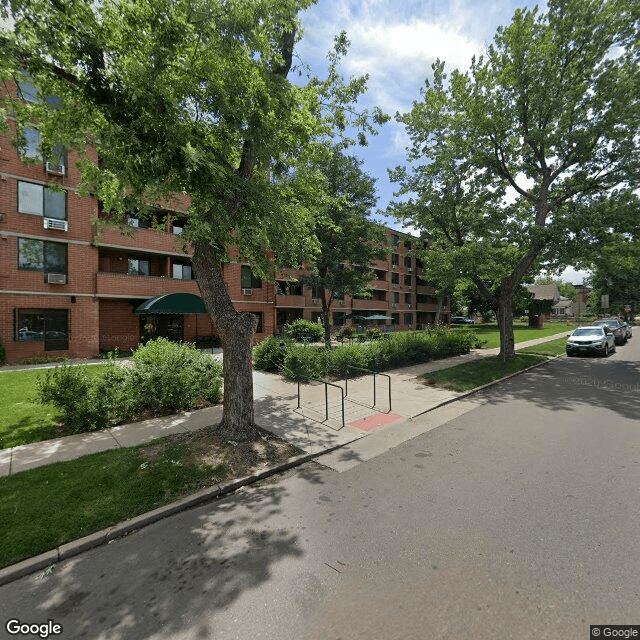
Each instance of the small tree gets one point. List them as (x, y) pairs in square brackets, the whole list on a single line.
[(349, 241)]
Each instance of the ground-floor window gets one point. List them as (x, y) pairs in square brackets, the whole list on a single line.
[(50, 326), (260, 327)]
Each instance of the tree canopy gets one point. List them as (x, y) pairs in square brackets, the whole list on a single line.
[(349, 240), (167, 99), (506, 157)]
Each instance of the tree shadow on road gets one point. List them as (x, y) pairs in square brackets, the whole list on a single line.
[(167, 579), (567, 384)]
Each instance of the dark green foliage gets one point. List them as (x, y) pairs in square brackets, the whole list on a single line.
[(174, 375), (78, 396), (299, 329), (165, 377), (395, 350), (269, 354)]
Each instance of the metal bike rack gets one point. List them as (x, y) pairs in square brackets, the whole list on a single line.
[(374, 374), (326, 396)]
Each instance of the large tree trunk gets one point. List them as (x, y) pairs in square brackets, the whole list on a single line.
[(236, 332), (505, 325)]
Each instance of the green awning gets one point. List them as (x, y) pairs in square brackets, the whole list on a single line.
[(176, 303)]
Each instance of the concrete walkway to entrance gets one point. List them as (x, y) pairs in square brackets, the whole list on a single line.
[(371, 428)]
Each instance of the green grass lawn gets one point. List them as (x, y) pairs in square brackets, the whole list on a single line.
[(551, 348), (22, 418), (44, 507), (470, 375), (489, 334)]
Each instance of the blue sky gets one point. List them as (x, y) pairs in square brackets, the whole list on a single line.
[(396, 43)]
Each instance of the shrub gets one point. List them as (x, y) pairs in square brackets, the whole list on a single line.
[(165, 377), (396, 350), (346, 333), (269, 354), (303, 363), (374, 334), (71, 390), (300, 328), (174, 376)]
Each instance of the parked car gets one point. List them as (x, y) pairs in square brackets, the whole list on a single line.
[(584, 340), (619, 332), (627, 328), (461, 320)]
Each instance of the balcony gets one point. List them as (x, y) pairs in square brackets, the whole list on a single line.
[(425, 306), (370, 303), (142, 239), (290, 301), (125, 285)]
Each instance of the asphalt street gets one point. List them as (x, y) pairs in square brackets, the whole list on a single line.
[(517, 519)]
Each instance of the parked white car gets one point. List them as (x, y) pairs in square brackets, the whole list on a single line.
[(586, 340)]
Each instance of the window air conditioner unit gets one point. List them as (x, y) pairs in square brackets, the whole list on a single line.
[(315, 301), (394, 306), (410, 305), (51, 167), (52, 223), (247, 292), (342, 303), (394, 266), (409, 269), (56, 278)]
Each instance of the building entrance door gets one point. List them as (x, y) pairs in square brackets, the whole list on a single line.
[(169, 326)]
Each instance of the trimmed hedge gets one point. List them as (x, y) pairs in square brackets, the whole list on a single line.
[(394, 350)]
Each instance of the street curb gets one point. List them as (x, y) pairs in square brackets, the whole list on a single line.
[(105, 536), (493, 383)]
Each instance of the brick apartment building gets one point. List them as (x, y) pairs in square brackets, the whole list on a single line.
[(70, 286)]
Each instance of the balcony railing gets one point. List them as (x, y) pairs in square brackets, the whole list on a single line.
[(125, 284)]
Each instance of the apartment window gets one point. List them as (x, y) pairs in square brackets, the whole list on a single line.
[(408, 319), (407, 298), (379, 295), (395, 259), (408, 245), (38, 200), (395, 318), (260, 327), (395, 278), (38, 255), (26, 89), (338, 295), (408, 280), (317, 292), (407, 263), (381, 275), (137, 223), (31, 147), (182, 271), (395, 240), (48, 325), (248, 280), (138, 267)]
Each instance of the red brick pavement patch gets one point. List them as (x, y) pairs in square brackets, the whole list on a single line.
[(377, 420)]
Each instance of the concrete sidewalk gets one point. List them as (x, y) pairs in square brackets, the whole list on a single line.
[(313, 422)]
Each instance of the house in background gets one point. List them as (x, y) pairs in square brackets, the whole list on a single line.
[(563, 308)]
